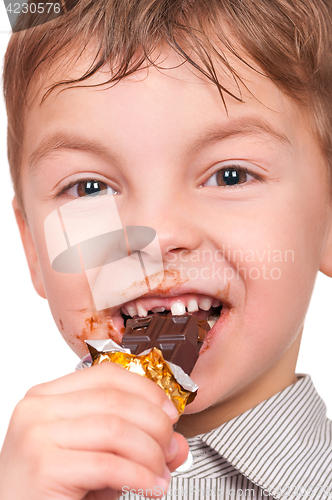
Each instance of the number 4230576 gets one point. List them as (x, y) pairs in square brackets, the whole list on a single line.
[(34, 8)]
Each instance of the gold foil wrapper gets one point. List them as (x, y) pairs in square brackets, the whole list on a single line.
[(151, 365)]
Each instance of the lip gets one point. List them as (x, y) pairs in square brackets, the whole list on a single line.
[(168, 293), (173, 290), (216, 329)]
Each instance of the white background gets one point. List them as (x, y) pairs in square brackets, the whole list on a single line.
[(28, 329)]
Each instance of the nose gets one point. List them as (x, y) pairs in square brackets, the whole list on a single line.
[(171, 217)]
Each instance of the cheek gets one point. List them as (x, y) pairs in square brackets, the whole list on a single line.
[(70, 300), (67, 292), (73, 310), (64, 291), (274, 251), (280, 278)]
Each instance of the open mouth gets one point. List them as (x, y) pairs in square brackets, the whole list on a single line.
[(203, 306)]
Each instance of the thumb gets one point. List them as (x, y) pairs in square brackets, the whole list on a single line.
[(182, 454)]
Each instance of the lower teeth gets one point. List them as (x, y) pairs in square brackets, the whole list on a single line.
[(212, 320), (158, 309)]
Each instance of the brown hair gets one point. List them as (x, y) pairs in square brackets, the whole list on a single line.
[(290, 40)]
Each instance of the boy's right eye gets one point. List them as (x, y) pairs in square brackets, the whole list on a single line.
[(87, 187)]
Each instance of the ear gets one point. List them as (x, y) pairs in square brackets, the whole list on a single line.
[(326, 261), (30, 250)]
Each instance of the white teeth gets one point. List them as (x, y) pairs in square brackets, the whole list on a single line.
[(132, 311), (124, 310), (192, 306), (141, 311), (212, 320), (158, 309), (205, 304), (178, 308)]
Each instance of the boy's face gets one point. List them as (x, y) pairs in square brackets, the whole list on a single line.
[(164, 143)]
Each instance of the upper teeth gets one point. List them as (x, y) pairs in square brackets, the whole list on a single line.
[(132, 311), (141, 311), (205, 304), (192, 306), (178, 308)]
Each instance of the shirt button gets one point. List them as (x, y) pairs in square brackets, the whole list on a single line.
[(187, 464)]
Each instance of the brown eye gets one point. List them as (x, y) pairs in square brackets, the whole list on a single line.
[(90, 188), (231, 176), (87, 187)]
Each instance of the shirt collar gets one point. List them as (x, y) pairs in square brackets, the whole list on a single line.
[(283, 444)]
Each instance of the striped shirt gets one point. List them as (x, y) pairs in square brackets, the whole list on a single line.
[(281, 448)]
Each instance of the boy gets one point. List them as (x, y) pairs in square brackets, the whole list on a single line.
[(216, 135)]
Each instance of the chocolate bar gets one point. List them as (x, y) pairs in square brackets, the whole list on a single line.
[(179, 338)]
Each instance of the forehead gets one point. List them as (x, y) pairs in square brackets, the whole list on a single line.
[(159, 106)]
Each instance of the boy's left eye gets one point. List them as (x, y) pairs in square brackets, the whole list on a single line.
[(231, 176)]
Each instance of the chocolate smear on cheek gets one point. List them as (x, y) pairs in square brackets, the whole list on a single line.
[(65, 336), (223, 293), (170, 278), (98, 326), (226, 291)]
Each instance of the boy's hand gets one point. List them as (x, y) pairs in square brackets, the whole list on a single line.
[(88, 435)]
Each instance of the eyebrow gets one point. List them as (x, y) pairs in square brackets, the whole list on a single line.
[(241, 127), (244, 126), (61, 140)]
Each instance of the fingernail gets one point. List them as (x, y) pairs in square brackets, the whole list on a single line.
[(163, 482), (170, 409), (173, 449)]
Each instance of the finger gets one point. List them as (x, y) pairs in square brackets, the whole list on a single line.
[(106, 494), (106, 375), (110, 402), (83, 471), (182, 452), (100, 433)]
